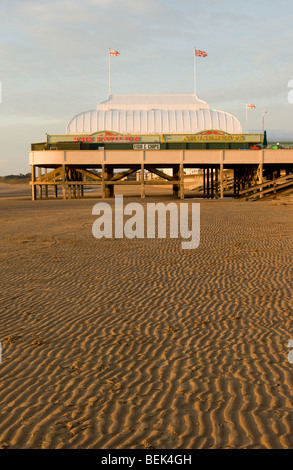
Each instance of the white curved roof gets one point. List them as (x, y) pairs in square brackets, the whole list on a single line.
[(153, 114)]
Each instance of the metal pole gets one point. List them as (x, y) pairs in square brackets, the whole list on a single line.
[(263, 121), (109, 72), (194, 73)]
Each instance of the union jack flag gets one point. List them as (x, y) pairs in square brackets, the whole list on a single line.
[(251, 106), (112, 52), (200, 53)]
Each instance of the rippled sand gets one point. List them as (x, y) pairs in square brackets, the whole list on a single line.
[(138, 344)]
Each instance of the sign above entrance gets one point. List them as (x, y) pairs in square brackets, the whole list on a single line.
[(107, 137), (212, 136), (209, 135)]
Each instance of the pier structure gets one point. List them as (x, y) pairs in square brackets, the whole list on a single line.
[(165, 136), (68, 172)]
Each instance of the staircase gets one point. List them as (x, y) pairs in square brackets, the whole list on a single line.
[(268, 188)]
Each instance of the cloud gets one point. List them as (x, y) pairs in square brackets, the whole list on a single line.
[(54, 57)]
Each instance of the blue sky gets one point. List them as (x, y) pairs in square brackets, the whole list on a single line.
[(54, 60)]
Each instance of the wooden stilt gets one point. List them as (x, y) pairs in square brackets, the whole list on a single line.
[(55, 191), (217, 183), (221, 180), (235, 180), (63, 182), (142, 186), (181, 186), (46, 186), (176, 176), (107, 174), (40, 186), (103, 182), (208, 182), (260, 176), (34, 196)]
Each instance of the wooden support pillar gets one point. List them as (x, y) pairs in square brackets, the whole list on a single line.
[(107, 174), (63, 182), (212, 182), (216, 182), (110, 188), (80, 177), (208, 182), (260, 176), (34, 195), (46, 186), (40, 186), (176, 171), (221, 180), (204, 181), (181, 177), (103, 182), (235, 180), (55, 191), (142, 186)]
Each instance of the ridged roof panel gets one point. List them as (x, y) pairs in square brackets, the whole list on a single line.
[(156, 121)]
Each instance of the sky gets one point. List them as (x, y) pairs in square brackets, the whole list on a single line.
[(54, 60)]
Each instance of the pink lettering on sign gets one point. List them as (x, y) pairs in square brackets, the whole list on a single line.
[(107, 137)]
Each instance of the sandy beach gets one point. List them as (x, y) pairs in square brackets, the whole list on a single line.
[(138, 344)]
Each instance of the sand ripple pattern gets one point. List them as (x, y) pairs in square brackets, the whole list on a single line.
[(138, 344)]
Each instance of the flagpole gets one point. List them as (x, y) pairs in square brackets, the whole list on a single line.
[(246, 116), (194, 72), (109, 72)]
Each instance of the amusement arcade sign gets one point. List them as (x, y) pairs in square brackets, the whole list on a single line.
[(115, 137)]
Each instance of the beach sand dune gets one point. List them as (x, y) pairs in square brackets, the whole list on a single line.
[(118, 343)]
